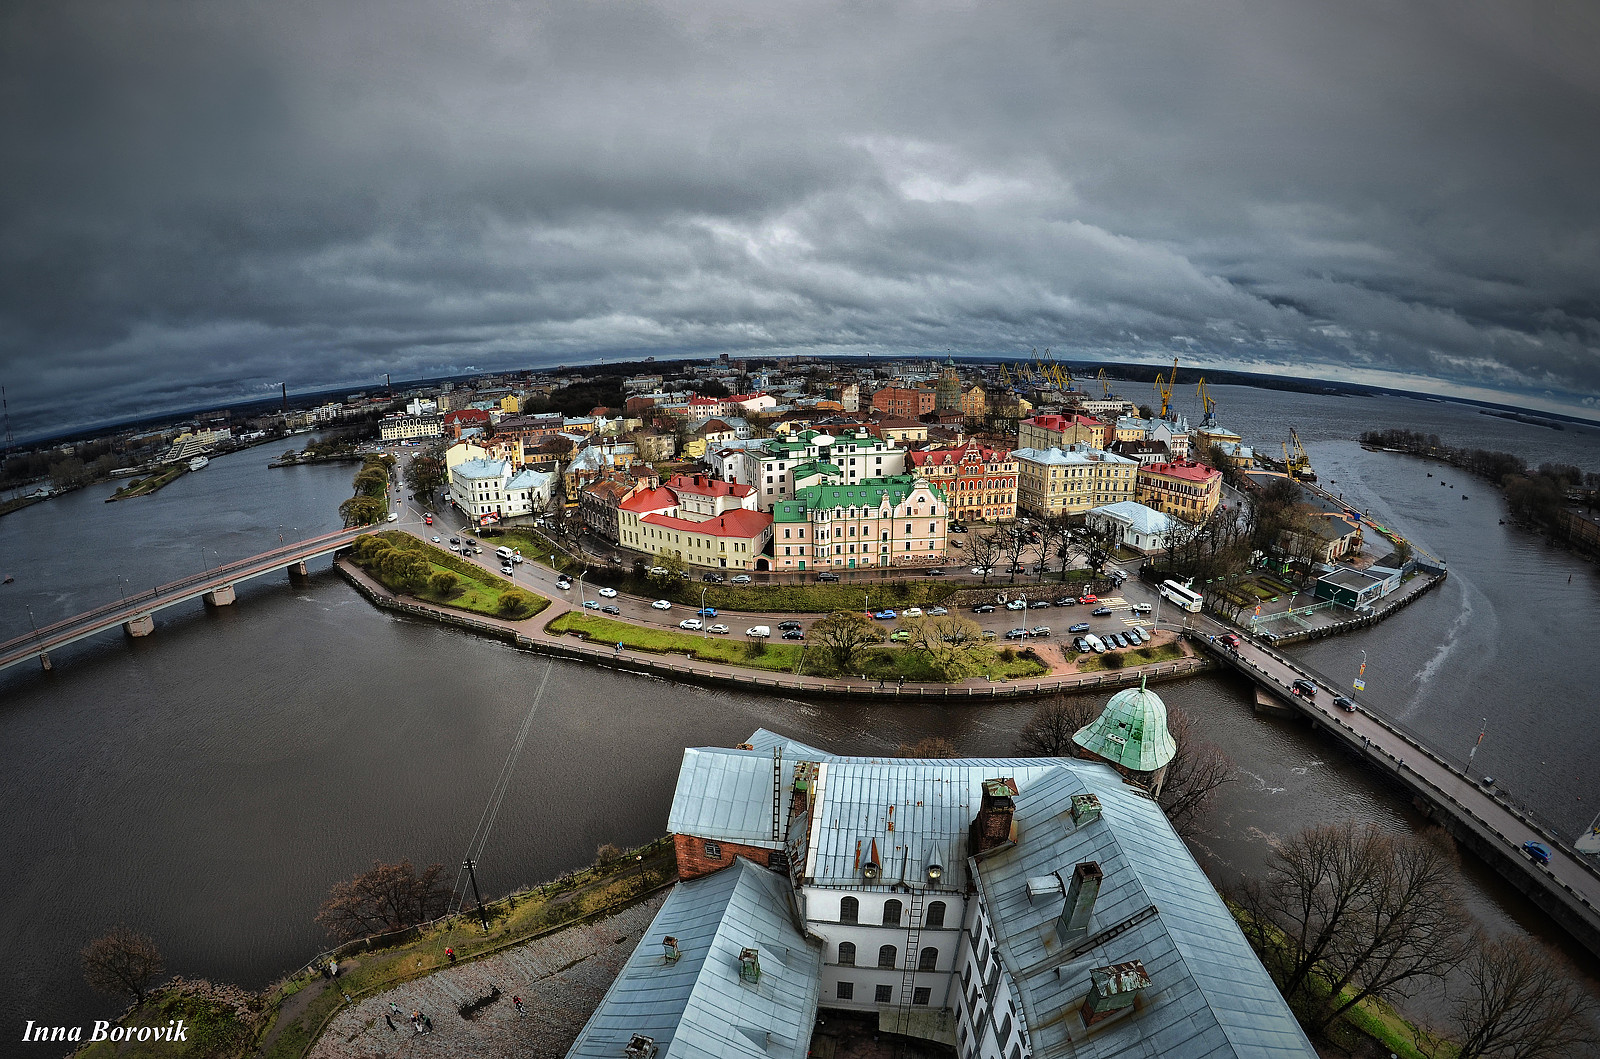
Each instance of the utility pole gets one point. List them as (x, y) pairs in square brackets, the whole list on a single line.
[(472, 875)]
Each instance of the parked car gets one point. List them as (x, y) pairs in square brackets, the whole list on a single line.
[(885, 615), (989, 634), (1066, 601), (1017, 604), (1096, 644), (1081, 644), (1039, 604), (1017, 634), (1122, 639), (1082, 626), (1039, 630), (1138, 636), (713, 579), (1345, 703), (719, 628), (937, 612), (827, 577), (759, 631), (978, 570), (1538, 852), (609, 593), (661, 604), (591, 604), (786, 625), (935, 571), (707, 612), (1088, 597), (1100, 612), (657, 571), (900, 636), (983, 608), (741, 579), (956, 527), (1305, 689), (692, 624), (610, 608), (912, 612), (794, 634)]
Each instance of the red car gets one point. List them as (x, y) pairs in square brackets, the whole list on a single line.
[(1088, 597), (1229, 640), (428, 519)]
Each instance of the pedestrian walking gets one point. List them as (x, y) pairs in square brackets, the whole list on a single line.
[(902, 683), (518, 1002), (450, 953), (619, 647), (428, 1022), (395, 1008)]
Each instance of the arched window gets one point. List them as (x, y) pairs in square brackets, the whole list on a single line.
[(849, 910), (928, 960), (886, 956), (847, 954), (934, 916), (891, 913)]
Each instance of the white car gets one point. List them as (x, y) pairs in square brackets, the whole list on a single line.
[(563, 584), (609, 593), (435, 538), (1141, 608), (661, 604), (692, 624), (740, 579), (978, 570), (911, 612), (758, 631), (720, 629), (1017, 604)]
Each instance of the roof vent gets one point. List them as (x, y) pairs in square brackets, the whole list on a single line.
[(872, 867), (640, 1047), (1043, 887), (670, 951), (750, 965), (1085, 808)]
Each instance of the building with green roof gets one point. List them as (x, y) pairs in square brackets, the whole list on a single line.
[(877, 522), (1131, 735)]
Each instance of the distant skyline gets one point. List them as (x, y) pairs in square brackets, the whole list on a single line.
[(205, 200)]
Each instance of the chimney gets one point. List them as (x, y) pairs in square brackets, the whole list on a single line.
[(1073, 925), (992, 826), (1113, 989), (750, 965), (670, 950), (1085, 809)]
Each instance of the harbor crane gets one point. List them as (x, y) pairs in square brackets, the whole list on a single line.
[(1105, 385), (1164, 389), (1209, 405)]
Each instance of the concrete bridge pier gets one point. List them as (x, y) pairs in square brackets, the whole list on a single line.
[(220, 596), (44, 662), (298, 571), (143, 625)]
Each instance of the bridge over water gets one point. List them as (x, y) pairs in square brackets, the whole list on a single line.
[(136, 613), (1478, 815)]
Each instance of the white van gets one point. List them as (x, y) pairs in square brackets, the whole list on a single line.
[(759, 630), (504, 554), (1096, 644)]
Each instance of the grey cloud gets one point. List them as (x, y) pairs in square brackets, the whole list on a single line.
[(204, 199)]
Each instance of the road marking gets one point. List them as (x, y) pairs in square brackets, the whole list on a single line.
[(1138, 622)]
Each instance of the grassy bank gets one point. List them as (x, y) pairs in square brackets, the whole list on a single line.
[(1135, 657), (886, 663), (284, 1022), (20, 502), (146, 486), (475, 589)]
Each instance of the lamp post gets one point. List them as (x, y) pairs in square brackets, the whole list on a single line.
[(704, 633)]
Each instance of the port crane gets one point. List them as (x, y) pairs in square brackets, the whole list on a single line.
[(1164, 389), (1296, 463), (1209, 405), (1105, 385)]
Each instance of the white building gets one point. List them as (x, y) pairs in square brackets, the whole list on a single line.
[(770, 466), (1141, 528), (410, 427), (491, 491)]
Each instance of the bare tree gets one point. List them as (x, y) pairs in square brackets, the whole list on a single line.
[(1049, 732), (984, 553), (389, 897), (122, 961), (932, 746), (1520, 1001), (1056, 542), (1014, 546), (1096, 540), (952, 644), (1361, 914), (844, 634)]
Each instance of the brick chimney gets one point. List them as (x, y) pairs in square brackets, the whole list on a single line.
[(992, 826), (1073, 925)]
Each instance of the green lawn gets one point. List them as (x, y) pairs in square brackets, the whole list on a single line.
[(477, 589), (536, 547), (1135, 657), (916, 590)]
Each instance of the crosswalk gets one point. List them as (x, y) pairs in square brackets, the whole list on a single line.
[(1117, 603)]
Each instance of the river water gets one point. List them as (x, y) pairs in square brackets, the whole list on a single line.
[(208, 784)]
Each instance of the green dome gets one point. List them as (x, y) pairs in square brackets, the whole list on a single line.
[(1131, 732)]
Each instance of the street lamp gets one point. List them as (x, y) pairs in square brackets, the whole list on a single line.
[(704, 633)]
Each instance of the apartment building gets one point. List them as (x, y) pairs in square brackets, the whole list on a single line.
[(876, 523), (979, 483), (1071, 480), (1182, 488)]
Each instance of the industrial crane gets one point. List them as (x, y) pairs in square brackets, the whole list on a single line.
[(1164, 388), (1209, 405), (1105, 385), (1302, 462)]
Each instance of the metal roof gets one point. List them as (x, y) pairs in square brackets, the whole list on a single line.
[(725, 794), (1209, 997), (1131, 731), (699, 1005)]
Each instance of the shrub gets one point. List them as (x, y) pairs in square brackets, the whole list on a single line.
[(515, 604), (607, 854), (1112, 660), (444, 584), (1007, 655), (755, 647)]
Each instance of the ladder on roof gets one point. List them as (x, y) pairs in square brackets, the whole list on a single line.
[(908, 975), (777, 792)]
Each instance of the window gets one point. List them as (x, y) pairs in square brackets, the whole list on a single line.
[(847, 954), (886, 956), (928, 960), (884, 994), (1003, 1034), (714, 850), (921, 995), (845, 991), (891, 913), (849, 910)]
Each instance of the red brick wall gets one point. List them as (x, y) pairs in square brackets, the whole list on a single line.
[(693, 862)]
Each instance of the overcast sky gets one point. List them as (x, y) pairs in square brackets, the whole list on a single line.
[(200, 200)]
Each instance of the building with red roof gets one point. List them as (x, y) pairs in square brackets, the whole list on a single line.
[(979, 483), (1181, 488), (1064, 431), (696, 519)]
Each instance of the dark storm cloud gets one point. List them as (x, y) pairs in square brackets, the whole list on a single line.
[(203, 199)]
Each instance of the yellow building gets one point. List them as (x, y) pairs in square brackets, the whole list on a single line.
[(974, 403), (1182, 489), (1072, 480), (511, 404)]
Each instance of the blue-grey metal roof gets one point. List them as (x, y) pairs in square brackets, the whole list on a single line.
[(1209, 997), (699, 1006), (727, 795)]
